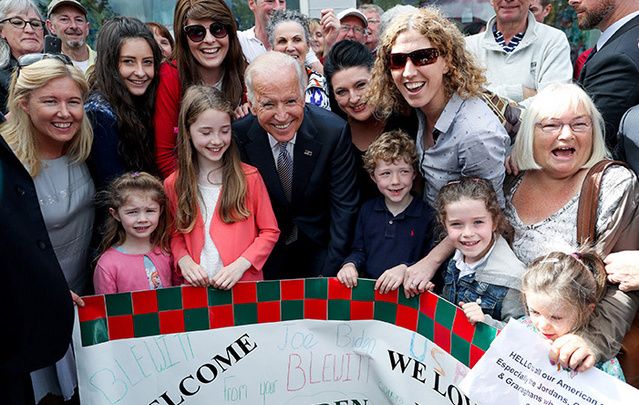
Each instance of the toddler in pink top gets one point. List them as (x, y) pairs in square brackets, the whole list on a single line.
[(135, 249)]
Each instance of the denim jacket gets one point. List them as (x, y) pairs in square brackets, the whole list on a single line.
[(497, 282)]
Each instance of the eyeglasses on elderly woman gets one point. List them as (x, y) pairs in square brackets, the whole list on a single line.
[(555, 127), (20, 23)]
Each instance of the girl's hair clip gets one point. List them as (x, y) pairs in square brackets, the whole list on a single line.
[(135, 174), (576, 255)]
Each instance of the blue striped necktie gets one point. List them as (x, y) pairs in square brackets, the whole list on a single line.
[(285, 169)]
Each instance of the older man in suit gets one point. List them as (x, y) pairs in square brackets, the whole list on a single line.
[(611, 74), (304, 155)]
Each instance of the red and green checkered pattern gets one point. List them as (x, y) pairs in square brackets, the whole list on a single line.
[(184, 309)]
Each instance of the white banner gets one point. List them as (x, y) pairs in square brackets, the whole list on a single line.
[(291, 362), (516, 369)]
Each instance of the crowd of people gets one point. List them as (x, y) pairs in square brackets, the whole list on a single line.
[(365, 143)]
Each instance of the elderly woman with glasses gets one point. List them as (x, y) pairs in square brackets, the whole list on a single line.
[(49, 134), (288, 33), (422, 63), (21, 32), (560, 138), (207, 52)]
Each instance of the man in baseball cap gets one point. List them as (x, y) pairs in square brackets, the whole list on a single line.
[(67, 19), (347, 24)]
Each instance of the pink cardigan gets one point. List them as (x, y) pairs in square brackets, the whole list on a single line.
[(253, 238)]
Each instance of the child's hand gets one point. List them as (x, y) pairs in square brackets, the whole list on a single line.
[(473, 312), (347, 275), (573, 352), (226, 278), (391, 279), (192, 272)]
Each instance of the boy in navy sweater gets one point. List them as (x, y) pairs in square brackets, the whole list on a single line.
[(395, 229)]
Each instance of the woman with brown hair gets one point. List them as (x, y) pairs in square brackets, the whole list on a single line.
[(207, 52), (422, 63)]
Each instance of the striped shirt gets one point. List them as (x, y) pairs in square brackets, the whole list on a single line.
[(508, 47)]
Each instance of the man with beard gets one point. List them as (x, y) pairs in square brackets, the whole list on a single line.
[(67, 19), (610, 75)]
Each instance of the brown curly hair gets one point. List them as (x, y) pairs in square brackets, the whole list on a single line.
[(464, 76), (390, 147)]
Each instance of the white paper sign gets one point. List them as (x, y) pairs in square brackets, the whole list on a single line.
[(293, 362), (516, 370)]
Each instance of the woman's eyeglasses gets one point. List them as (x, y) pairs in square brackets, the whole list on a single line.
[(419, 57), (555, 127), (20, 23), (31, 58), (197, 32)]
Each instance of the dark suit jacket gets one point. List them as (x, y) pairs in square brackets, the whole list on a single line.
[(324, 194), (611, 77), (35, 303)]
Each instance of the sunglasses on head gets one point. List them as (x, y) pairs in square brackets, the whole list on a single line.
[(31, 58), (420, 57), (197, 32)]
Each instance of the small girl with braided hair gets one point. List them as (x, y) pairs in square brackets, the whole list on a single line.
[(561, 291)]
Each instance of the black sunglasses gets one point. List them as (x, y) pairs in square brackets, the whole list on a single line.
[(31, 58), (420, 57), (197, 32)]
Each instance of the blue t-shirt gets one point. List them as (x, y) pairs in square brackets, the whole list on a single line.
[(383, 241)]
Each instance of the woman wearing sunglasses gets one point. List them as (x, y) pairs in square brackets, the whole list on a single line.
[(348, 71), (207, 52), (120, 106), (50, 135), (21, 32), (422, 63)]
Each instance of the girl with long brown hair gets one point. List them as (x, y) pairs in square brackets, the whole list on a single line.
[(225, 227)]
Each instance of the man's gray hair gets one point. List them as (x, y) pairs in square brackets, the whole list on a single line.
[(371, 7), (281, 16), (271, 64), (393, 12)]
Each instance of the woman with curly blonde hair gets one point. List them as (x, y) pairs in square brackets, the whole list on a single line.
[(422, 63)]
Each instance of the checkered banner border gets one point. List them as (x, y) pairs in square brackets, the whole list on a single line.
[(185, 309)]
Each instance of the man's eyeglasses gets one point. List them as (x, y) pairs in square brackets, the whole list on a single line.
[(20, 23), (31, 58), (419, 57), (197, 32), (357, 30), (556, 127)]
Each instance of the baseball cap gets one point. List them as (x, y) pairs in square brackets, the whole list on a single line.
[(353, 12), (57, 3)]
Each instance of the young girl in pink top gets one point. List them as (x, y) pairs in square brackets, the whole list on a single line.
[(136, 237), (225, 227)]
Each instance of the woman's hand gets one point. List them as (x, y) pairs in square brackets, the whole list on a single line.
[(226, 278), (347, 275), (511, 167), (241, 111), (572, 351), (623, 268), (192, 272), (391, 279), (473, 312), (76, 299)]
